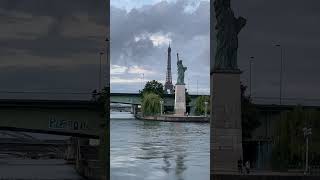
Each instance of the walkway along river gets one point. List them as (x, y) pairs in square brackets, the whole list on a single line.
[(153, 150)]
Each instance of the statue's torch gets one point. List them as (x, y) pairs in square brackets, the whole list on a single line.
[(177, 58)]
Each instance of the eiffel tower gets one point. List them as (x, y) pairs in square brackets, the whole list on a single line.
[(168, 87)]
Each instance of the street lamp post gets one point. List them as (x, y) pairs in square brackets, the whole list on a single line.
[(205, 108), (188, 85), (307, 133), (197, 88), (142, 80), (101, 53), (251, 60), (281, 64), (108, 63), (161, 107)]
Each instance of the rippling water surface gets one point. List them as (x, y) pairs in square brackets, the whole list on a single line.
[(145, 150)]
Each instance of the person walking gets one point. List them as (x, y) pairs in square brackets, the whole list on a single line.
[(248, 167)]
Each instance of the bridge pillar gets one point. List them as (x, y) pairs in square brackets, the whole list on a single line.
[(134, 109), (104, 149), (70, 155), (80, 142)]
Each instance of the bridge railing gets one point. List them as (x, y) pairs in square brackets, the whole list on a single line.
[(287, 101), (63, 95)]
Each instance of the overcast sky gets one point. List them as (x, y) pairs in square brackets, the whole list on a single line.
[(51, 46), (141, 30), (140, 34), (55, 45), (294, 25)]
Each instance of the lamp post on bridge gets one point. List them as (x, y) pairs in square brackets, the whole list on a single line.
[(197, 88), (307, 132), (161, 107), (101, 54), (205, 108), (251, 60), (107, 74), (142, 80), (281, 64)]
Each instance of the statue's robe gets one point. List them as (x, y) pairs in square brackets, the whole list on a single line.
[(227, 30), (181, 70)]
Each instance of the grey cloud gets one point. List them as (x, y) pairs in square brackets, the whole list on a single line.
[(82, 78), (59, 8), (72, 55), (293, 24), (162, 17), (53, 43), (189, 34)]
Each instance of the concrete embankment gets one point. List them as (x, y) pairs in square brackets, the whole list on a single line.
[(173, 118), (46, 169), (263, 177)]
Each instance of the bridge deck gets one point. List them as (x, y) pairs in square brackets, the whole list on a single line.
[(60, 117), (61, 104)]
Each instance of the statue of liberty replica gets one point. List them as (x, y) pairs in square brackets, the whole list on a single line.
[(181, 70), (180, 90), (226, 142), (227, 30)]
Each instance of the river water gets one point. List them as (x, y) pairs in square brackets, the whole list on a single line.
[(148, 150)]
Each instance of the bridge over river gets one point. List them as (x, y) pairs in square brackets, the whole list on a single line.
[(84, 122), (134, 99)]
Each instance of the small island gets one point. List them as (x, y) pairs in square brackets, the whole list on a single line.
[(155, 105)]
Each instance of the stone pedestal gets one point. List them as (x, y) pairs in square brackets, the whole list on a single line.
[(225, 126), (180, 100)]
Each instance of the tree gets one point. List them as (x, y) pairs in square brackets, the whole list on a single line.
[(249, 114), (289, 149), (150, 104), (188, 98), (153, 87), (200, 106)]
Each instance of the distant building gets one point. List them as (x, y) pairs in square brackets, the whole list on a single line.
[(168, 86)]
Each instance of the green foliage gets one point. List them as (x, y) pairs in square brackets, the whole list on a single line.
[(249, 115), (289, 148), (153, 87), (150, 104), (200, 106)]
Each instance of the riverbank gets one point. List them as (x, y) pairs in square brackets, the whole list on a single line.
[(46, 169), (264, 176), (174, 118)]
